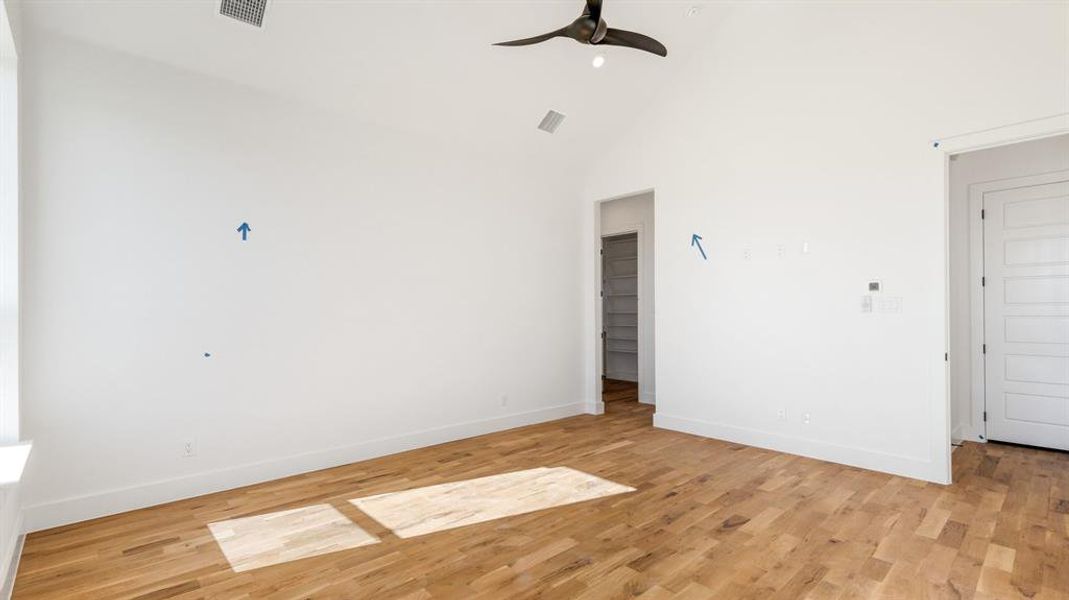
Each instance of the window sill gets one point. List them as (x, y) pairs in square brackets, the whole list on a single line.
[(13, 462)]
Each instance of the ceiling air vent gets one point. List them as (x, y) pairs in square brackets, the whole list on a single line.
[(246, 11), (551, 121)]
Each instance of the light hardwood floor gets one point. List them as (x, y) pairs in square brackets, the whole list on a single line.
[(709, 520)]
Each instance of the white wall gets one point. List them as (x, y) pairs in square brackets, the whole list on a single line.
[(631, 214), (812, 123), (12, 10), (392, 292), (1016, 160)]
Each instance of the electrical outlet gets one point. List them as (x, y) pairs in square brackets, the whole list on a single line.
[(781, 251), (747, 254), (782, 414), (189, 447), (806, 418), (866, 304), (504, 400)]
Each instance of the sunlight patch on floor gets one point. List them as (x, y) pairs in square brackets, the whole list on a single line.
[(436, 508), (278, 537), (283, 536)]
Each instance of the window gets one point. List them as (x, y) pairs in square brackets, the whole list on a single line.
[(9, 233)]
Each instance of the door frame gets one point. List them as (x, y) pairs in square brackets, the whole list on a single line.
[(977, 261), (946, 147), (597, 407)]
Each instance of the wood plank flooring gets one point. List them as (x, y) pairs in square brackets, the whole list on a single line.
[(709, 520), (615, 390)]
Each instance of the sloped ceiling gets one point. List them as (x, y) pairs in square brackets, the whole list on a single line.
[(426, 66)]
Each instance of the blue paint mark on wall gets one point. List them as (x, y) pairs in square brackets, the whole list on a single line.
[(696, 240), (244, 229)]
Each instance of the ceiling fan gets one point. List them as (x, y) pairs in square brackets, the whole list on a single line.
[(591, 29)]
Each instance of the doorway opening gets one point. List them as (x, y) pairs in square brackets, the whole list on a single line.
[(1009, 293), (625, 274), (619, 318)]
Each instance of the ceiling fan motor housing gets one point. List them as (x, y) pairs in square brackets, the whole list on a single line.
[(588, 31)]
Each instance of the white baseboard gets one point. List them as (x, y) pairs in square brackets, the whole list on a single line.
[(647, 398), (91, 506), (11, 562), (894, 464)]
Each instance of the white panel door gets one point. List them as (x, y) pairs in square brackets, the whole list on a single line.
[(1026, 321)]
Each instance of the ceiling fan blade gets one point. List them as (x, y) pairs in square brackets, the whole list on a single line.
[(536, 39), (630, 39), (593, 9)]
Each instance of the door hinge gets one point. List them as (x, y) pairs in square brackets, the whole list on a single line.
[(946, 356), (602, 293), (983, 281), (985, 416), (983, 214), (985, 348)]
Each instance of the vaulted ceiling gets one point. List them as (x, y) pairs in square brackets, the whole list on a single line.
[(420, 65)]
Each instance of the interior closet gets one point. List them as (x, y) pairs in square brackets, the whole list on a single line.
[(619, 270)]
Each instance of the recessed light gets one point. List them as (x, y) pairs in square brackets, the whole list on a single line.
[(599, 61)]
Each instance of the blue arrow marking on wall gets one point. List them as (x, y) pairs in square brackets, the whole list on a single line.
[(696, 240), (244, 229)]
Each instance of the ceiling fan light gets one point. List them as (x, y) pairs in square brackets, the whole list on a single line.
[(599, 61)]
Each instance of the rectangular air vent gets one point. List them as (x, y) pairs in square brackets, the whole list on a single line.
[(246, 11), (551, 121)]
